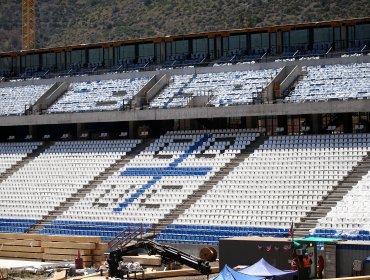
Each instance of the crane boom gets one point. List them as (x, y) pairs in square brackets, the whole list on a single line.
[(28, 24)]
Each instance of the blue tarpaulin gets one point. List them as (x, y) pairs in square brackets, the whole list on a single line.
[(263, 269), (228, 273)]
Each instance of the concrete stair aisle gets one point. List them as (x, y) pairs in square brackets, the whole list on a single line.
[(19, 164), (208, 185), (330, 200), (292, 86), (87, 188)]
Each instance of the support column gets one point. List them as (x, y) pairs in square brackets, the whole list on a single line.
[(32, 130), (279, 42), (184, 125), (347, 123), (282, 121), (110, 61), (316, 124), (132, 129), (162, 52), (79, 129), (218, 51), (343, 37)]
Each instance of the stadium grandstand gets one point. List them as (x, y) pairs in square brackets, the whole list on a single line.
[(196, 137)]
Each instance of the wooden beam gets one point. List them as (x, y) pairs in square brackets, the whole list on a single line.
[(25, 236), (52, 257), (21, 249), (68, 245), (16, 242), (102, 246), (23, 255), (64, 238), (59, 251)]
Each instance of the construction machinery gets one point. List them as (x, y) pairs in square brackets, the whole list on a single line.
[(168, 254)]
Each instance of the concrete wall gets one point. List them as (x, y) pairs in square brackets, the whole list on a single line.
[(53, 95), (192, 113), (279, 78), (161, 83), (295, 72), (141, 97), (36, 108)]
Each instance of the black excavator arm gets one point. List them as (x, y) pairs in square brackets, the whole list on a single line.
[(167, 253)]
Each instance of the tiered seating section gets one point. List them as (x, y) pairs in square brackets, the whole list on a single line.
[(196, 234), (11, 153), (14, 100), (321, 83), (350, 217), (56, 174), (333, 82), (222, 89), (106, 230), (159, 178), (276, 185), (104, 95)]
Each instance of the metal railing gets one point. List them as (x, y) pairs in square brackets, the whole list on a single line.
[(126, 236)]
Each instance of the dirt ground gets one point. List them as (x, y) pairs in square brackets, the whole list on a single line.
[(21, 275), (199, 277)]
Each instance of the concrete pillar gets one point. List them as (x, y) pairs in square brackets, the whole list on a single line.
[(316, 124), (181, 125), (110, 56), (347, 123), (162, 52), (80, 128), (279, 42), (343, 35), (218, 51), (132, 129), (184, 125), (282, 121), (32, 130)]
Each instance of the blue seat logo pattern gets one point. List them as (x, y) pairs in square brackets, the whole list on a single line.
[(158, 172)]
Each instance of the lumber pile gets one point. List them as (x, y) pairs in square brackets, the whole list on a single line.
[(52, 248)]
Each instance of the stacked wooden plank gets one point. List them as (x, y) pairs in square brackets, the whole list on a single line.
[(52, 248), (24, 246)]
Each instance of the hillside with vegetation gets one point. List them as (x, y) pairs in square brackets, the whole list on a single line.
[(69, 22)]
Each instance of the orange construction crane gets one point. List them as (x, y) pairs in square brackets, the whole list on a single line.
[(28, 24)]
